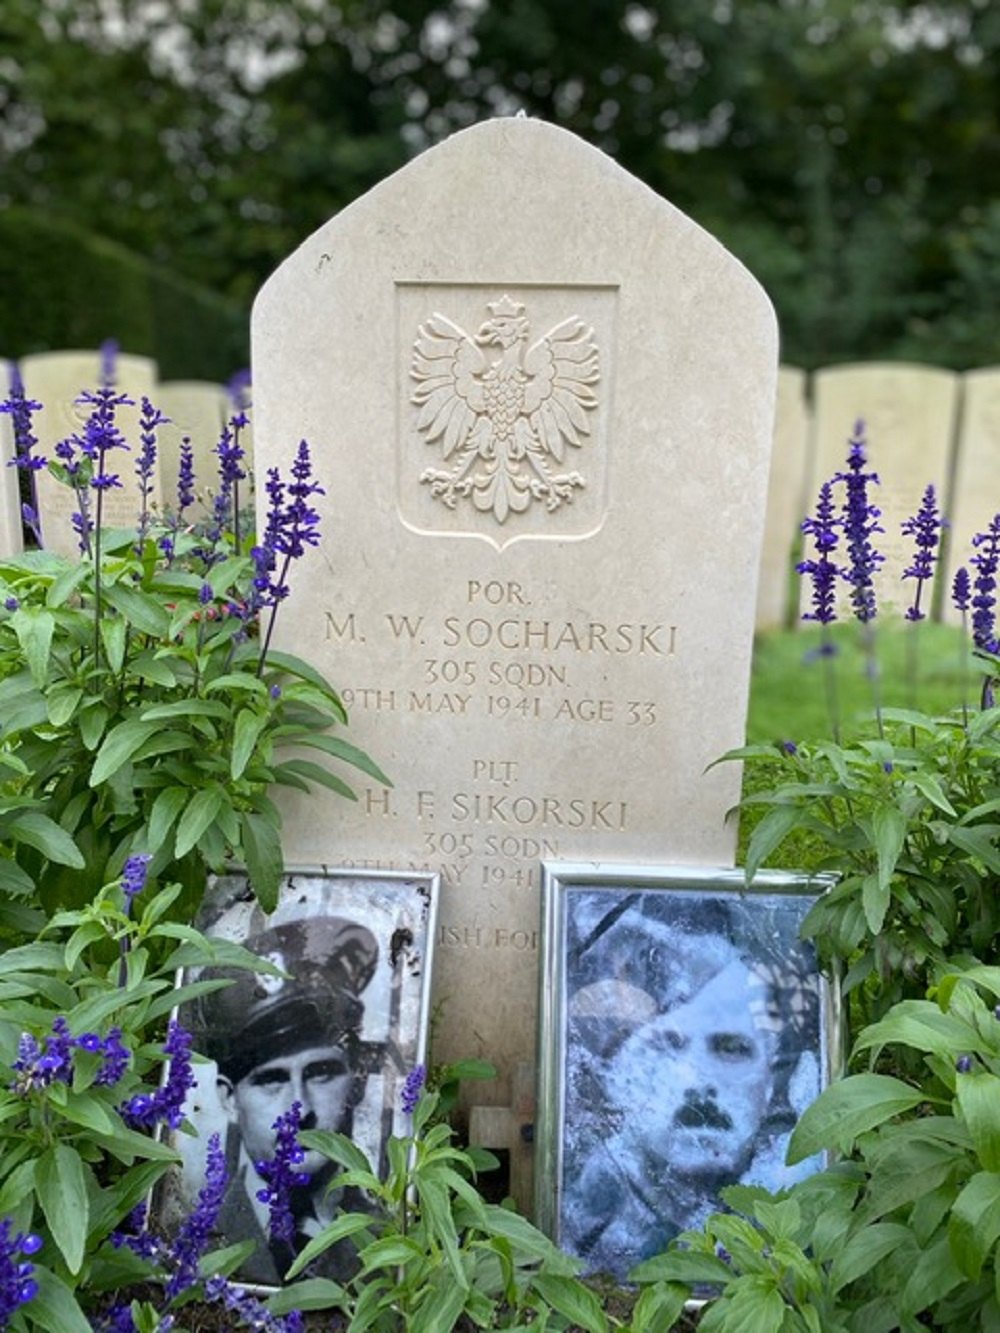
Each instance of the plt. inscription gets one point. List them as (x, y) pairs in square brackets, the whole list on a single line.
[(503, 423)]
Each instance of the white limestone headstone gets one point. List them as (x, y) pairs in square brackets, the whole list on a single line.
[(198, 410), (11, 542), (909, 413), (975, 497), (56, 380), (786, 498), (541, 402)]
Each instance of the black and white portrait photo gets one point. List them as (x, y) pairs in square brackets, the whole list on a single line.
[(690, 1036), (336, 1031)]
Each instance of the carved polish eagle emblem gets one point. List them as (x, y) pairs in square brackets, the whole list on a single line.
[(504, 419)]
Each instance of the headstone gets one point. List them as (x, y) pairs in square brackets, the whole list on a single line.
[(975, 498), (909, 414), (56, 380), (786, 498), (541, 402), (11, 542), (197, 410)]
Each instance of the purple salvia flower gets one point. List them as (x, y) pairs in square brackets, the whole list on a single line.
[(300, 522), (134, 874), (412, 1088), (238, 389), (983, 603), (823, 572), (109, 362), (194, 1236), (11, 604), (21, 409), (116, 1058), (282, 1174), (137, 1238), (29, 515), (185, 477), (961, 589), (860, 524), (38, 1066), (150, 419), (230, 456), (925, 529), (249, 1310), (17, 1285), (205, 594), (145, 1110)]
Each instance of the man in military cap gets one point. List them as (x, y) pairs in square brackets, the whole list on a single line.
[(284, 1039)]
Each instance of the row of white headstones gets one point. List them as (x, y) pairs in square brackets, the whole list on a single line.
[(922, 424)]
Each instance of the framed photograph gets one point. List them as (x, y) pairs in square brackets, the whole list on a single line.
[(683, 1028), (338, 1030)]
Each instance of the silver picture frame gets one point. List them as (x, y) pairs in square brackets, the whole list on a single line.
[(339, 1028), (683, 1028)]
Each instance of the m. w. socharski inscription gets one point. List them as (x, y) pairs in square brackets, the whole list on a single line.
[(503, 422)]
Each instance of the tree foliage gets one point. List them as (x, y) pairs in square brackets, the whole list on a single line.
[(846, 152)]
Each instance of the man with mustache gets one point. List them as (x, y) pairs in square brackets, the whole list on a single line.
[(691, 1098)]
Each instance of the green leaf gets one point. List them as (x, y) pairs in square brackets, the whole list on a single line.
[(686, 1266), (147, 666), (54, 1306), (441, 1307), (846, 1109), (34, 628), (350, 754), (338, 1147), (974, 1225), (347, 1224), (437, 1213), (305, 768), (573, 1300), (45, 835), (979, 843), (92, 722), (865, 1249), (889, 828), (201, 811), (979, 1101), (237, 681), (875, 901), (118, 747), (185, 708), (933, 1274), (658, 1308), (315, 1293), (65, 584), (249, 725), (262, 853), (139, 608), (61, 1186), (166, 808), (113, 636), (63, 703), (768, 834)]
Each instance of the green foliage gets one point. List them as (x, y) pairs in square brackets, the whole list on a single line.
[(903, 1232), (432, 1251), (74, 288), (908, 821), (138, 713), (71, 1169)]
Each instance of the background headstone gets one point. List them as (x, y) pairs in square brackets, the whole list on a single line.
[(199, 410), (909, 414), (786, 498), (541, 402), (56, 380), (975, 496), (11, 542)]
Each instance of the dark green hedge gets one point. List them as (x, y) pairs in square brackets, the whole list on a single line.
[(62, 287)]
